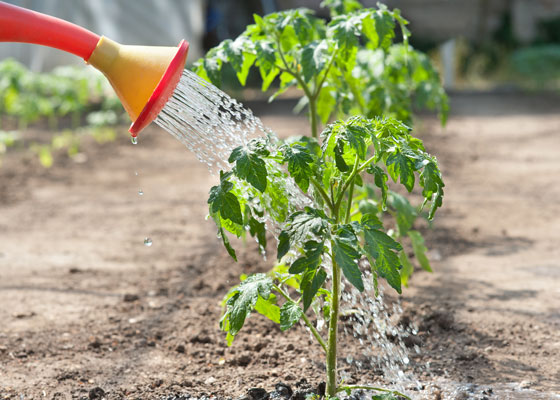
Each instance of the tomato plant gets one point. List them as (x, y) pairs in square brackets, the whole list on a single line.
[(330, 195), (27, 96), (346, 67)]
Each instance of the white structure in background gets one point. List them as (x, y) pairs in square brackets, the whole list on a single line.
[(447, 51), (136, 22)]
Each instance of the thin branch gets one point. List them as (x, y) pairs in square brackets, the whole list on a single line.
[(305, 319), (346, 184), (322, 192), (365, 387), (366, 163), (320, 85), (290, 71), (349, 206)]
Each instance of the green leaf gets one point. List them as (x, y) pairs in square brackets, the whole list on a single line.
[(311, 260), (339, 157), (283, 244), (266, 61), (432, 183), (430, 179), (243, 300), (268, 308), (314, 57), (326, 104), (371, 221), (380, 179), (356, 136), (345, 249), (248, 61), (407, 268), (386, 396), (338, 7), (250, 166), (400, 165), (227, 245), (302, 25), (225, 202), (384, 27), (290, 314), (266, 55), (299, 164), (301, 226), (419, 249), (310, 284), (345, 30), (405, 213), (258, 229), (382, 248), (368, 206), (212, 67)]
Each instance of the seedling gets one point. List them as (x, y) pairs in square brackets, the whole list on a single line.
[(343, 175)]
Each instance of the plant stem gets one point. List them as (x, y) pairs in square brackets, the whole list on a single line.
[(349, 206), (320, 84), (322, 192), (350, 179), (366, 163), (331, 388), (305, 319), (365, 387), (312, 99), (314, 117)]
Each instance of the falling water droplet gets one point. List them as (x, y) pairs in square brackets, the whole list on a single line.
[(134, 139), (148, 242), (136, 173), (140, 192)]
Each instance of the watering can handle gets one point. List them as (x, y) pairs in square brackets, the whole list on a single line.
[(21, 25)]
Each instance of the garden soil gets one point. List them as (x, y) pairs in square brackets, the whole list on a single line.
[(89, 311)]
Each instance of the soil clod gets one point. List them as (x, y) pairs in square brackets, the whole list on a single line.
[(257, 394), (130, 297), (96, 393)]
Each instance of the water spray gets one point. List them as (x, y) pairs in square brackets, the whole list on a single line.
[(143, 77)]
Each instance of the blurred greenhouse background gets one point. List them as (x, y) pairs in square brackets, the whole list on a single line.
[(478, 43)]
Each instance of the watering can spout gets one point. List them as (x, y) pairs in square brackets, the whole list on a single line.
[(144, 77)]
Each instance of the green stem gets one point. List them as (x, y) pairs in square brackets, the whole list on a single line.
[(349, 205), (331, 388), (366, 163), (365, 387), (308, 323), (314, 118), (320, 85), (347, 183), (304, 87), (322, 192)]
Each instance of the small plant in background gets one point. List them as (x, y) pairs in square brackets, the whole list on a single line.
[(330, 196), (346, 67), (66, 92)]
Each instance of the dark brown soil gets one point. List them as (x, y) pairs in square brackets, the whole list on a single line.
[(88, 311)]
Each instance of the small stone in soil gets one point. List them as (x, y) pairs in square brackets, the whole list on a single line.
[(257, 394), (282, 390), (180, 349), (242, 361), (129, 297), (321, 388), (96, 393)]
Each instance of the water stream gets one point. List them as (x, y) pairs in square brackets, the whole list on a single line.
[(211, 124), (206, 120)]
